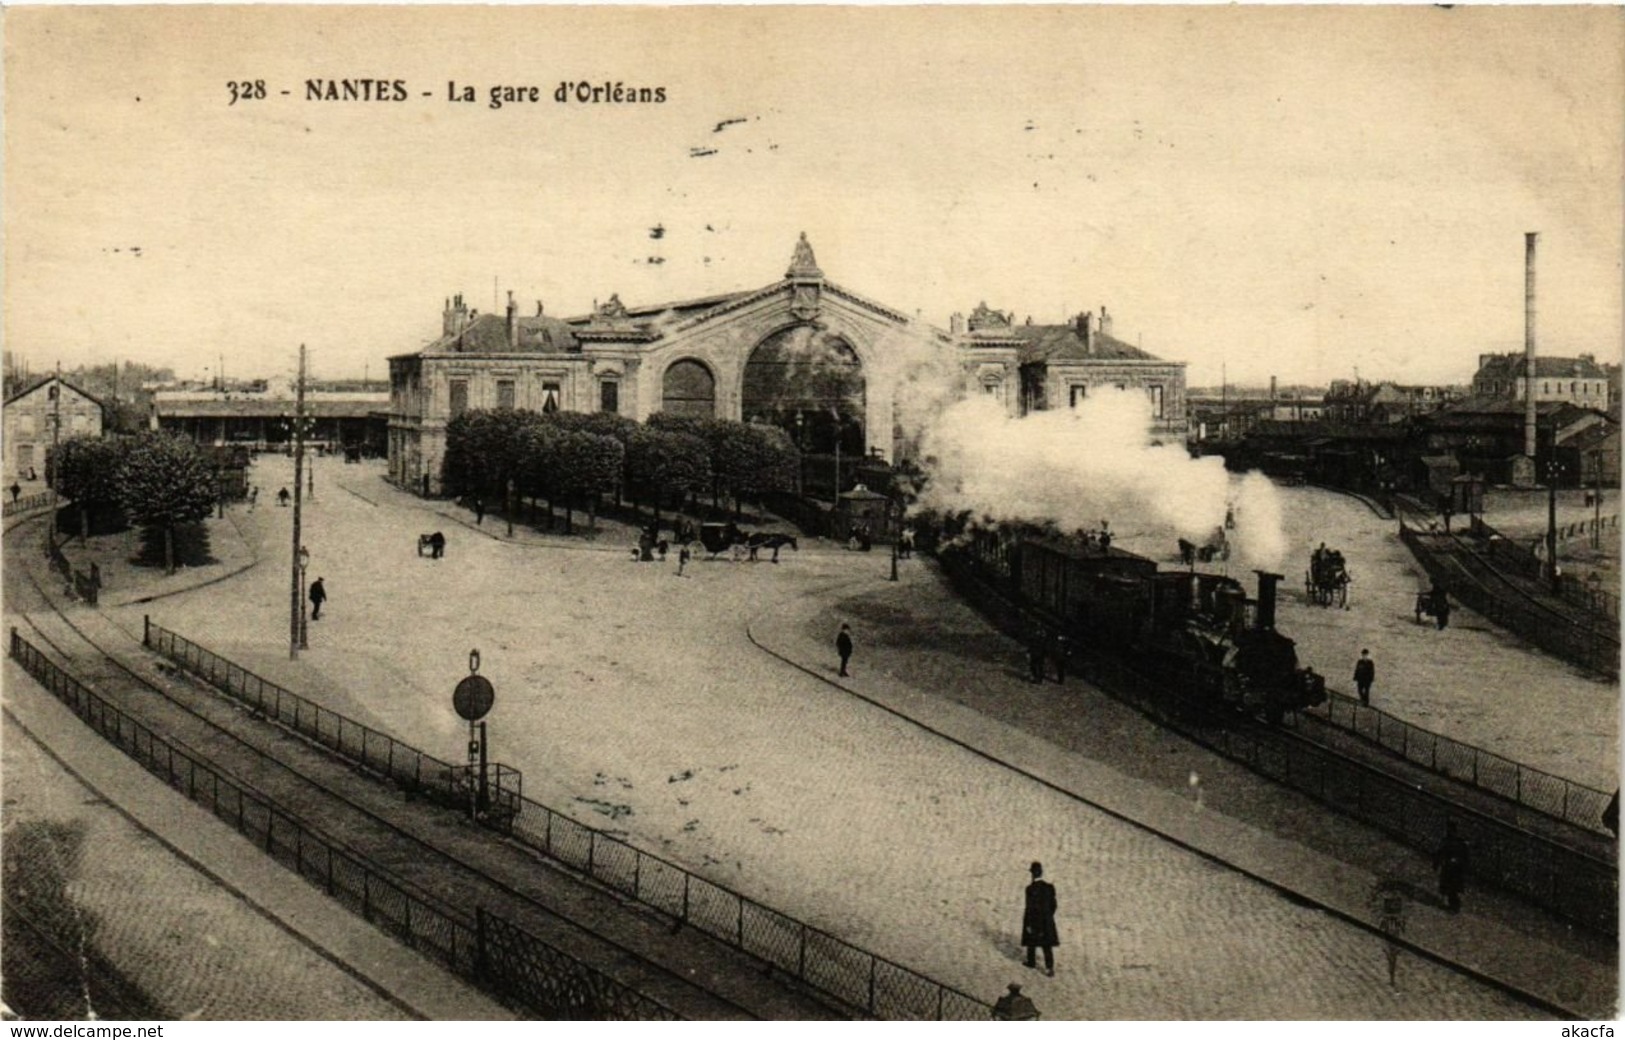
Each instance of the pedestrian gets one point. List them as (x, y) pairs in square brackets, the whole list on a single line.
[(1014, 1007), (16, 490), (1037, 647), (1061, 648), (1038, 920), (682, 560), (32, 474), (1441, 607), (282, 497), (253, 497), (843, 645), (425, 485), (437, 546), (1365, 673), (907, 546), (479, 510), (1451, 863), (318, 596)]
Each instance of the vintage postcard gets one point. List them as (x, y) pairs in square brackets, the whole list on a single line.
[(817, 512)]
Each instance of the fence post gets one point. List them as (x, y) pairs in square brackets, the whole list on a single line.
[(801, 955), (146, 630), (871, 983), (687, 877), (592, 847), (739, 927), (637, 874)]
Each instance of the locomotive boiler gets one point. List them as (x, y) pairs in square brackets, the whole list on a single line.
[(1196, 633)]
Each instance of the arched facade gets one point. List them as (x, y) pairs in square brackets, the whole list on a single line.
[(689, 388), (802, 353)]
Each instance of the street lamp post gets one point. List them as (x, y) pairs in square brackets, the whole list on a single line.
[(1596, 499), (304, 628), (1551, 522)]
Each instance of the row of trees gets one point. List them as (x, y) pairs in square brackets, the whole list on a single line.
[(155, 480), (571, 459)]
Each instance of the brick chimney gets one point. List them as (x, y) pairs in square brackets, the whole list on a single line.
[(1105, 321), (1084, 325), (513, 322), (455, 317)]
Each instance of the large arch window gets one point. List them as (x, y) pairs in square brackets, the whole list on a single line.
[(810, 383), (689, 389)]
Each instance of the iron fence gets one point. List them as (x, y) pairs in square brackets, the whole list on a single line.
[(1506, 554), (838, 969), (1576, 886), (27, 504), (566, 987), (1467, 763), (1595, 647)]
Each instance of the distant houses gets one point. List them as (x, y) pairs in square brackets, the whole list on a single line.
[(51, 408)]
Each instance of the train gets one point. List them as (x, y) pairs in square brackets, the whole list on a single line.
[(1195, 632)]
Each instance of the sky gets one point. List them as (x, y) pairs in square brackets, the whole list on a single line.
[(1308, 193)]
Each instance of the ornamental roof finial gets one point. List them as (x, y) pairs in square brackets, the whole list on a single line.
[(803, 264)]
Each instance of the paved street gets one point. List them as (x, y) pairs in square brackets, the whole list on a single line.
[(634, 696)]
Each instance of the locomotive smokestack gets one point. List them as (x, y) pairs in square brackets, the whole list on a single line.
[(1529, 414), (1264, 619)]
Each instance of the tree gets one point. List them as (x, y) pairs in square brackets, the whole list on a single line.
[(165, 481), (661, 462), (85, 470), (584, 464), (751, 458)]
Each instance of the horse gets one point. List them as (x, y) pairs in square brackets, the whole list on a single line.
[(1327, 579), (770, 541)]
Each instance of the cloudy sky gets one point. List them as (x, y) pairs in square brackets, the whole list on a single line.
[(1301, 192)]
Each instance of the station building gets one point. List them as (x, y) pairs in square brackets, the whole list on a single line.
[(51, 407), (803, 352)]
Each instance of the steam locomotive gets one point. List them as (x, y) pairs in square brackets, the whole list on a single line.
[(1197, 633)]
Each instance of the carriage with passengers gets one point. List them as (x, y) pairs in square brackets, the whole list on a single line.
[(1327, 580)]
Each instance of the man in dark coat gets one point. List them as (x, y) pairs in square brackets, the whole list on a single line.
[(479, 510), (318, 596), (1038, 921), (843, 645), (16, 489), (1441, 607), (1037, 649), (1451, 863), (1015, 1006), (1365, 673)]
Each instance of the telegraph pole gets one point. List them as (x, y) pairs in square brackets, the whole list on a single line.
[(54, 463), (296, 594)]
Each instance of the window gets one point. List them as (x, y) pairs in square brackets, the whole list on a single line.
[(609, 396), (459, 397), (25, 424), (1078, 392), (550, 398), (1155, 393), (992, 387), (504, 393)]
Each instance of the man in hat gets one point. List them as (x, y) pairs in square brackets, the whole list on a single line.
[(843, 645), (1038, 920), (318, 596), (1014, 1007)]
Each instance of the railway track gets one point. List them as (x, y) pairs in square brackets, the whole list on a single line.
[(433, 855)]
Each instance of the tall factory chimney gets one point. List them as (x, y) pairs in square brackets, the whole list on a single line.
[(1529, 414)]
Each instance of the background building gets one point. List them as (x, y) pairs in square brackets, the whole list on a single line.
[(33, 415), (1577, 380)]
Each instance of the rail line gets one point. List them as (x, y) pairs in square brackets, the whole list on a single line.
[(279, 766)]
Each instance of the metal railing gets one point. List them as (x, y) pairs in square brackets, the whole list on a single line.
[(542, 977), (1467, 763), (26, 504), (1508, 555), (851, 975), (1577, 887), (1595, 647)]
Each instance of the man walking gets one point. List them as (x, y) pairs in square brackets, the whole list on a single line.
[(318, 596), (843, 645), (479, 510), (1365, 673), (1038, 920), (1451, 863)]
